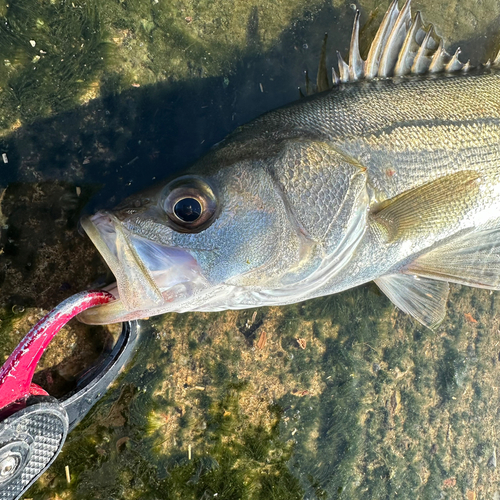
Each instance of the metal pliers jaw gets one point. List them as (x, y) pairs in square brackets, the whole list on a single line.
[(33, 424)]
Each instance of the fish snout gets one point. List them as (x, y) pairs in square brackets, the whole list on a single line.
[(151, 278)]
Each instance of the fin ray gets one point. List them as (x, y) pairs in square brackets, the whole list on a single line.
[(395, 41), (356, 64), (410, 48), (496, 62), (473, 259), (378, 44), (424, 299), (343, 69), (422, 209), (422, 60), (322, 78), (454, 64), (440, 59)]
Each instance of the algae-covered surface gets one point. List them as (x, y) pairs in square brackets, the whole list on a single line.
[(341, 397)]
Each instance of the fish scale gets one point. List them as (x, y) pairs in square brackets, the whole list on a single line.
[(371, 107), (391, 126), (387, 178)]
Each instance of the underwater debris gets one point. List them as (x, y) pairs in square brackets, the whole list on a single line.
[(262, 340), (302, 342), (469, 318)]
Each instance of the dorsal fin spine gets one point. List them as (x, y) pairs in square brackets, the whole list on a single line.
[(308, 83), (439, 59), (496, 62), (421, 62), (410, 47), (322, 82), (335, 78), (379, 42), (356, 64), (400, 47), (343, 69), (454, 64), (395, 41)]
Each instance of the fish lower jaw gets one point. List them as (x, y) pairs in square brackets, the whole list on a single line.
[(175, 288), (151, 278), (116, 312)]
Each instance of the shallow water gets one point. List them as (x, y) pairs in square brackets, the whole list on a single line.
[(102, 99)]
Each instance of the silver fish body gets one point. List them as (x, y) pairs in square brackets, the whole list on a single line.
[(394, 180)]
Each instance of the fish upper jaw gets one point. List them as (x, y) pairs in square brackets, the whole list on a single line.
[(149, 276)]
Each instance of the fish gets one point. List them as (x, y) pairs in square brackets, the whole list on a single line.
[(389, 173)]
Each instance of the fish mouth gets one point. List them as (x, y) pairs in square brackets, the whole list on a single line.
[(150, 278)]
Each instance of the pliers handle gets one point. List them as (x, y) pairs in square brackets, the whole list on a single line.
[(34, 425)]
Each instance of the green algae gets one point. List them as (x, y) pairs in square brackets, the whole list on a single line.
[(9, 338), (52, 53), (57, 54), (379, 407)]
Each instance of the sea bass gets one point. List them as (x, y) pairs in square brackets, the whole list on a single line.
[(392, 176)]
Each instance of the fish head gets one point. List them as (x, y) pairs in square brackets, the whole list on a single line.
[(212, 239)]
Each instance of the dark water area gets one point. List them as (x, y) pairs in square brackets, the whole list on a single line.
[(126, 141), (341, 397)]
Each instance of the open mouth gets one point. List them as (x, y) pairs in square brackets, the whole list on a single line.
[(150, 278)]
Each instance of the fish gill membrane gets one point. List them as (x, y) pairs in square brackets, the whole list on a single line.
[(389, 174)]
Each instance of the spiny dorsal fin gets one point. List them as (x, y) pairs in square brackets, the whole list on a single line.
[(380, 41), (496, 62), (402, 46)]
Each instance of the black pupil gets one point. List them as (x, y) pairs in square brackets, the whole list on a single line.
[(188, 209)]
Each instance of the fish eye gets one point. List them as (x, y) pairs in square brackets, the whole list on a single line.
[(188, 209), (190, 204)]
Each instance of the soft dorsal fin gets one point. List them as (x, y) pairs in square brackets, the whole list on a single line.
[(403, 45)]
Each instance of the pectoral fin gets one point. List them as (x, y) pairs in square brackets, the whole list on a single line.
[(423, 298), (472, 259), (428, 209)]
